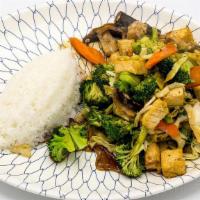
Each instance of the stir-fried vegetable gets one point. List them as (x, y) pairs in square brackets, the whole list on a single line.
[(170, 129), (93, 95), (65, 140), (114, 127), (157, 112), (184, 73), (167, 51), (126, 82), (129, 159), (141, 103), (195, 74), (176, 68), (89, 53), (144, 90), (103, 74), (165, 66)]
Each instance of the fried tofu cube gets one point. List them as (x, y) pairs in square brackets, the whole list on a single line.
[(172, 163), (182, 37), (129, 64), (175, 97), (152, 158), (125, 47), (155, 114)]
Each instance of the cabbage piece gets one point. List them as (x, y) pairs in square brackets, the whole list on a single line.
[(175, 68), (193, 113)]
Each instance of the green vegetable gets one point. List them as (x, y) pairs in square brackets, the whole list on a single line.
[(103, 74), (183, 75), (165, 66), (129, 159), (79, 136), (137, 48), (126, 82), (93, 95), (101, 139), (144, 90), (159, 80), (151, 44), (168, 119), (114, 127), (66, 139), (154, 36), (187, 132), (177, 65)]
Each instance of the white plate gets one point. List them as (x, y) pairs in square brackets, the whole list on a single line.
[(37, 30)]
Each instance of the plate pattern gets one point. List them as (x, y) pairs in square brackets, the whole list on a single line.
[(37, 30)]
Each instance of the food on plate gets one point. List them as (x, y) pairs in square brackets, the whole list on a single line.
[(138, 108), (142, 103), (38, 98)]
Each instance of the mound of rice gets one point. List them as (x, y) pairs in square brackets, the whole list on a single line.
[(38, 98)]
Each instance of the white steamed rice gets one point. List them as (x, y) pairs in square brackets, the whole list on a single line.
[(38, 98)]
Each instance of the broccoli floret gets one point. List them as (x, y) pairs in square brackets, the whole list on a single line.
[(168, 119), (93, 95), (79, 136), (126, 82), (114, 127), (129, 159), (95, 117), (148, 43), (165, 66), (137, 48), (144, 90), (60, 144), (65, 140), (122, 86), (183, 75), (103, 74)]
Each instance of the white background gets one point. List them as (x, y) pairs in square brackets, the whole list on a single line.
[(189, 191)]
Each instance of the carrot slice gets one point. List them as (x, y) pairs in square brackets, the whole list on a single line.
[(195, 74), (167, 51), (170, 129), (89, 53)]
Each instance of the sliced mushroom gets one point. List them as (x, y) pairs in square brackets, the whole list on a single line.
[(122, 110), (94, 34), (119, 28), (108, 43), (123, 20), (127, 101)]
